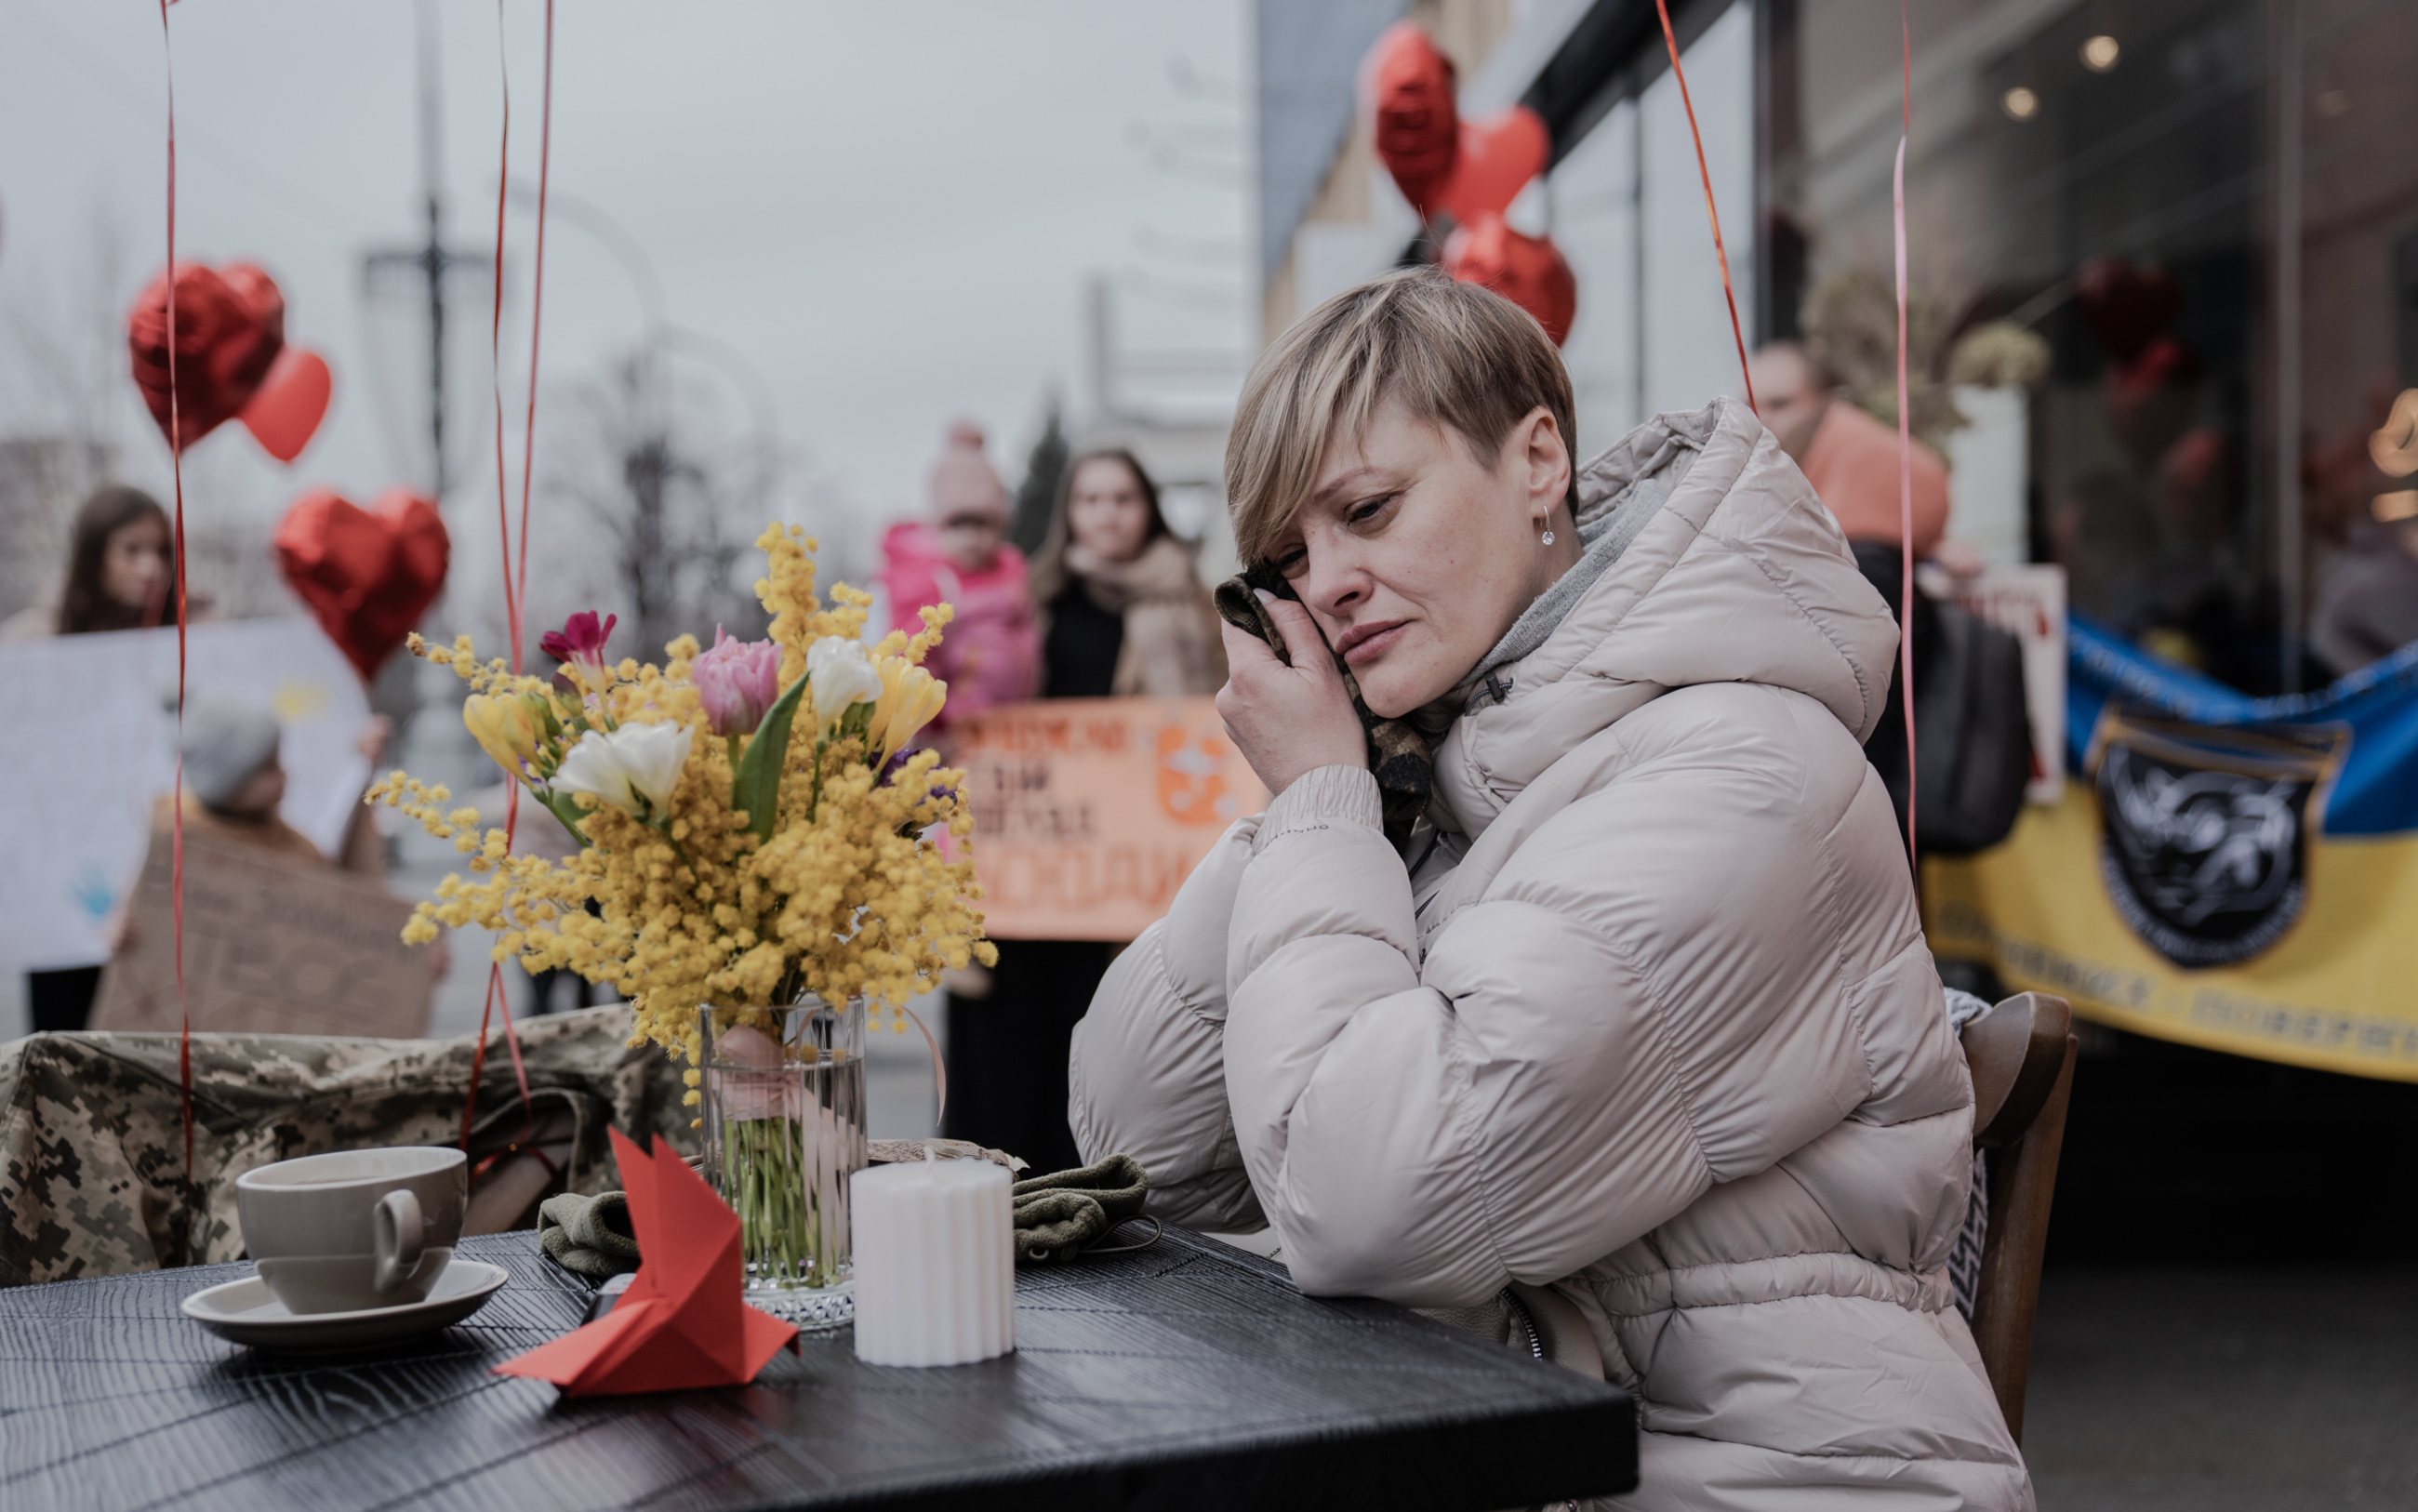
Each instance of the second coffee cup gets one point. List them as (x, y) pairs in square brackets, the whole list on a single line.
[(354, 1229)]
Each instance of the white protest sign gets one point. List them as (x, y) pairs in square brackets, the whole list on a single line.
[(2027, 602), (90, 743)]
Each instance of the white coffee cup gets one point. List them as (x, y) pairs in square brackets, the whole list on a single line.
[(354, 1229)]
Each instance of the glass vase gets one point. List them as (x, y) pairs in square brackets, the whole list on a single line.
[(784, 1114)]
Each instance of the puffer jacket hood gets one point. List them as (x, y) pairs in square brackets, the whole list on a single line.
[(1726, 577), (1653, 1025)]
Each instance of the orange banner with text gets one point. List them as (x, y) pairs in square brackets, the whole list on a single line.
[(1089, 813)]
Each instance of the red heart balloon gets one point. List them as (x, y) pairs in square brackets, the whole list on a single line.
[(228, 332), (231, 352), (1497, 158), (1408, 86), (367, 574), (286, 413), (1530, 271)]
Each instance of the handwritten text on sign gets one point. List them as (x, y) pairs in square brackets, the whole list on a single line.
[(1089, 813)]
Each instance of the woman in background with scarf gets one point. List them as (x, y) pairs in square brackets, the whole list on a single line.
[(1126, 616)]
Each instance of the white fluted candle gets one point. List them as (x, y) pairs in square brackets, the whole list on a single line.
[(935, 1256)]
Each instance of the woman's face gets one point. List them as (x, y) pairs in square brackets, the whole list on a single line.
[(1105, 512), (134, 564), (1414, 557)]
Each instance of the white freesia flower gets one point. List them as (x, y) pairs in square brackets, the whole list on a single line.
[(840, 675), (621, 766)]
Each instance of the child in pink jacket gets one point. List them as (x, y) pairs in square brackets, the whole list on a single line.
[(991, 653)]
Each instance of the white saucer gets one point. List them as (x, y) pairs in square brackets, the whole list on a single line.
[(247, 1312)]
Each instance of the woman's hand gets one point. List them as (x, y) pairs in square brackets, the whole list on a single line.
[(1288, 720)]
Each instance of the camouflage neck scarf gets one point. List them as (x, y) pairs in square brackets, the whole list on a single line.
[(1401, 756)]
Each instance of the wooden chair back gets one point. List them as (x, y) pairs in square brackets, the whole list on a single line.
[(2021, 1053)]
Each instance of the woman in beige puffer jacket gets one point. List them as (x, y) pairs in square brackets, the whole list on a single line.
[(1652, 1024)]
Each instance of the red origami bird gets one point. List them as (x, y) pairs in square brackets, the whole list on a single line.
[(681, 1324)]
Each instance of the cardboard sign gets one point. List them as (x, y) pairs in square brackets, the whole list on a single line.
[(2027, 602), (91, 741), (1089, 813), (274, 945)]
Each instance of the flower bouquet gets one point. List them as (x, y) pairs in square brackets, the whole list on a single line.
[(758, 861)]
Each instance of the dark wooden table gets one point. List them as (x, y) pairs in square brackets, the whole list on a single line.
[(1186, 1375)]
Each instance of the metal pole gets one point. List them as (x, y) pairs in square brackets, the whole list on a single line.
[(2287, 199), (1100, 314), (432, 145)]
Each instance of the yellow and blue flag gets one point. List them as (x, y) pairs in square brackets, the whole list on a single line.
[(2230, 871)]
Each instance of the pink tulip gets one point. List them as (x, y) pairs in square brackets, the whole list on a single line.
[(737, 681)]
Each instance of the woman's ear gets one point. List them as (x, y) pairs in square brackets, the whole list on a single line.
[(1542, 454)]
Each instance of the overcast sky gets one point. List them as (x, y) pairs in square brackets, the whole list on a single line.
[(888, 210)]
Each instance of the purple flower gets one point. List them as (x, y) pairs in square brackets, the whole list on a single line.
[(737, 681), (581, 640)]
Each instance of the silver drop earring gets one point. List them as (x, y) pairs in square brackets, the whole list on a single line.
[(1548, 538)]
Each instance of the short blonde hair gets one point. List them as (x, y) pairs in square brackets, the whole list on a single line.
[(1452, 353)]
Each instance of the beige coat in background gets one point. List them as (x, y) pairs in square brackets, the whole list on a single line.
[(1173, 648), (1654, 1025)]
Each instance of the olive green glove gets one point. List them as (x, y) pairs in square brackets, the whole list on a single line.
[(1057, 1215), (589, 1236)]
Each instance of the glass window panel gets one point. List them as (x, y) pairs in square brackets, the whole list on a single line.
[(2106, 174), (1595, 223)]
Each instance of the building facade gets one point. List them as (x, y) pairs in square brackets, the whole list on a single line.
[(2204, 210)]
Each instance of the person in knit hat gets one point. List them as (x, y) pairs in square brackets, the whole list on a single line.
[(234, 782), (958, 555)]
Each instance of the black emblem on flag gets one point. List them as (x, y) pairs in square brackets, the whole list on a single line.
[(2205, 837)]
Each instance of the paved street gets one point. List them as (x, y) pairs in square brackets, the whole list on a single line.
[(2230, 1315), (2159, 1389)]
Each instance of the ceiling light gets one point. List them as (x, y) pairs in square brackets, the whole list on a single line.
[(2100, 53), (2020, 102)]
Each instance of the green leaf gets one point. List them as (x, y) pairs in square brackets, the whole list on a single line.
[(756, 788)]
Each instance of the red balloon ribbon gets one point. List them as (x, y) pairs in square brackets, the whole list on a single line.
[(1905, 437), (515, 563), (1720, 254), (176, 820)]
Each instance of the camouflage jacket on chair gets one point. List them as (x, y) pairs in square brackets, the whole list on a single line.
[(92, 1160)]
